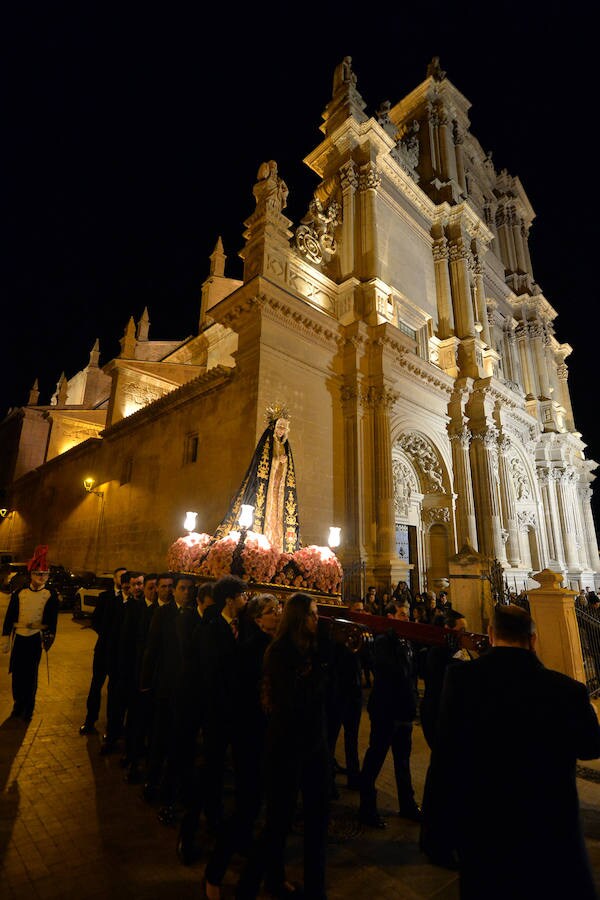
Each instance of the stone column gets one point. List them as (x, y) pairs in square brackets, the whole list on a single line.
[(515, 226), (564, 397), (368, 182), (484, 467), (443, 289), (590, 530), (460, 161), (529, 381), (349, 184), (566, 501), (447, 147), (353, 487), (536, 333), (461, 288), (507, 501), (553, 539), (553, 611), (480, 301), (466, 522)]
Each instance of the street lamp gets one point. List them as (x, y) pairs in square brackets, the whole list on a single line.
[(88, 484)]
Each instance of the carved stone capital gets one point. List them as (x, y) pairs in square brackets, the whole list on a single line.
[(369, 178), (348, 176)]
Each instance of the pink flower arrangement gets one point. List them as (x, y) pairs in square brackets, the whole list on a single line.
[(314, 568), (220, 556), (185, 554), (320, 569), (259, 558)]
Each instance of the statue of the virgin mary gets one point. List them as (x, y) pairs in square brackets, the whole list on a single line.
[(269, 486)]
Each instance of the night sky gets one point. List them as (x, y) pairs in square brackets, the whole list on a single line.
[(132, 138)]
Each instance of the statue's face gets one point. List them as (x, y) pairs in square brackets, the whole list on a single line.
[(282, 429)]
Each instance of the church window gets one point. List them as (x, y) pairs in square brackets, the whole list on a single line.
[(190, 454)]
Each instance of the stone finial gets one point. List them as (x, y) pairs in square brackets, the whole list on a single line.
[(217, 259), (59, 397), (95, 355), (128, 340), (270, 191), (434, 70), (550, 580), (34, 394), (143, 326), (346, 100)]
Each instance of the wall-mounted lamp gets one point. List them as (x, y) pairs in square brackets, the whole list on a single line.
[(190, 521), (246, 516), (334, 536), (88, 484)]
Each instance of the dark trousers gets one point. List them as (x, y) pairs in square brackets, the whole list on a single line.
[(116, 706), (287, 774), (95, 692), (346, 714), (236, 832), (386, 734), (138, 725), (160, 742), (24, 664)]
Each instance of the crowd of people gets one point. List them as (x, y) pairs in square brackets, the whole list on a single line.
[(209, 682)]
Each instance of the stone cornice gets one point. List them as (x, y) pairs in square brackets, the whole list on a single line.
[(350, 135), (427, 374), (211, 380), (405, 184)]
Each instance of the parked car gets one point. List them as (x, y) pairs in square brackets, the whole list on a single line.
[(14, 576), (87, 597)]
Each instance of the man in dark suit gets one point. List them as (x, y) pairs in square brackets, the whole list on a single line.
[(168, 639), (99, 622), (392, 708), (501, 791)]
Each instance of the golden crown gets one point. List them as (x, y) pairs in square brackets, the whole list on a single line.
[(276, 411)]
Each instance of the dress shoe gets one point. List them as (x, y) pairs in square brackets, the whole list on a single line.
[(87, 729), (373, 820), (412, 813)]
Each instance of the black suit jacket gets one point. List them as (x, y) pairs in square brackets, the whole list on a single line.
[(501, 788), (168, 640)]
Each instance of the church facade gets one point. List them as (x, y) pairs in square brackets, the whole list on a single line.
[(401, 324)]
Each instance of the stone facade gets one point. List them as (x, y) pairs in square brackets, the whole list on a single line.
[(401, 324)]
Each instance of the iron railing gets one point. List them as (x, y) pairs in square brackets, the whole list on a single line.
[(589, 633), (354, 582)]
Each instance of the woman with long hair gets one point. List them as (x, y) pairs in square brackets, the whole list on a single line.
[(296, 758)]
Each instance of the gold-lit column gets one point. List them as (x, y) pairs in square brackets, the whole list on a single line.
[(461, 288), (527, 369), (515, 227), (368, 182), (537, 336), (382, 401), (480, 301), (564, 397), (460, 161), (466, 522), (507, 501), (443, 289), (349, 185), (484, 467)]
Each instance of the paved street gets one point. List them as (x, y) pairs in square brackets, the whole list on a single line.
[(71, 826)]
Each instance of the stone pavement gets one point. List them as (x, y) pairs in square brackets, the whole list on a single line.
[(71, 826)]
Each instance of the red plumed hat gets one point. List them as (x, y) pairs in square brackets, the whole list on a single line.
[(39, 562)]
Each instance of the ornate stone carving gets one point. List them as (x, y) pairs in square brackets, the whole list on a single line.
[(436, 516), (424, 460), (404, 485), (314, 237), (369, 178), (463, 436), (519, 479), (526, 519), (348, 176), (140, 394)]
